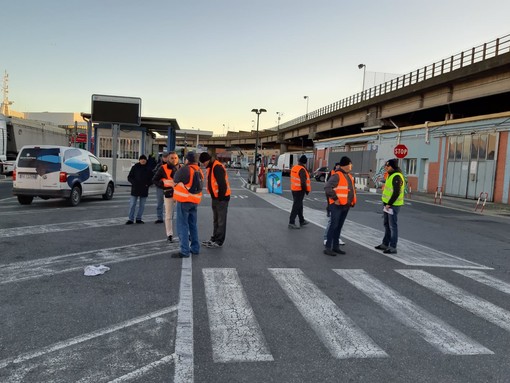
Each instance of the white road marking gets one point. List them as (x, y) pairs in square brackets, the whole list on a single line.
[(83, 338), (65, 226), (184, 354), (486, 279), (433, 330), (409, 253), (21, 271), (476, 305), (144, 370), (342, 337), (235, 333)]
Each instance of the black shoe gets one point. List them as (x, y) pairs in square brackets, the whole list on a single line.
[(390, 250), (329, 252), (139, 221), (179, 255), (170, 239), (338, 251), (129, 222), (159, 221), (293, 226), (381, 247), (304, 223)]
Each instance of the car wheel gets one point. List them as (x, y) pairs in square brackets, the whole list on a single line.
[(75, 197), (109, 192), (25, 199), (322, 178)]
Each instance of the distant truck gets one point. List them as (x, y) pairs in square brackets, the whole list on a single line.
[(6, 167), (286, 161)]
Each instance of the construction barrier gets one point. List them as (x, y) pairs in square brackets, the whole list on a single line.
[(438, 194), (486, 195)]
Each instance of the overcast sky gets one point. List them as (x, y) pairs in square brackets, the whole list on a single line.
[(207, 63)]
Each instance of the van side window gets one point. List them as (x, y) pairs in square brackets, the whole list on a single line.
[(96, 165)]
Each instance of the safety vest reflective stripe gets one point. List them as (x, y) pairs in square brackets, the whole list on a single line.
[(342, 189), (388, 190), (214, 182), (181, 191), (168, 179), (295, 180)]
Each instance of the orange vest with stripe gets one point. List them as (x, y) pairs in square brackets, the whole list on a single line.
[(168, 177), (181, 191), (295, 181), (214, 184), (342, 189)]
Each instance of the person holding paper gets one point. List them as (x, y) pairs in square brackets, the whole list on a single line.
[(393, 199)]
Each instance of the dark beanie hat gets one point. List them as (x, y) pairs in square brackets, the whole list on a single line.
[(191, 157), (393, 163), (204, 156), (303, 159), (142, 157), (344, 161)]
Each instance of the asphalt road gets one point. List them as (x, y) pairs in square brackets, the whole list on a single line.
[(267, 307)]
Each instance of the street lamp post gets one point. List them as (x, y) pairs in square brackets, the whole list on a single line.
[(258, 112), (307, 99), (363, 86)]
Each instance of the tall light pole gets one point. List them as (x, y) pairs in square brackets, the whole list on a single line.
[(307, 99), (360, 66), (257, 111), (279, 114)]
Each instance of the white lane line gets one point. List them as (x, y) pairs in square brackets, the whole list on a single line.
[(486, 279), (65, 226), (144, 370), (184, 354), (478, 306), (433, 330), (21, 271), (342, 337), (409, 253), (235, 333), (83, 338)]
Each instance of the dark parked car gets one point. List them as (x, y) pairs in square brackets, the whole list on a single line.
[(321, 173)]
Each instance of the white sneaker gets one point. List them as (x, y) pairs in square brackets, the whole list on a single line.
[(340, 242)]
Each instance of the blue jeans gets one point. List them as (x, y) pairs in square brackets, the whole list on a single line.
[(187, 227), (338, 216), (132, 206), (160, 198), (391, 228)]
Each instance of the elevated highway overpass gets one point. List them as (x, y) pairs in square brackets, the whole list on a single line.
[(471, 83)]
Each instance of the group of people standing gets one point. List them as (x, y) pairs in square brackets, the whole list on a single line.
[(179, 189), (340, 190)]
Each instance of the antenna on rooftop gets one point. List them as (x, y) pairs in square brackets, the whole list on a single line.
[(5, 103)]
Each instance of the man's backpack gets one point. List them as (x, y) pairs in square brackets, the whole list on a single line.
[(196, 186)]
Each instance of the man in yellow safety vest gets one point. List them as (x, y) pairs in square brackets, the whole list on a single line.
[(393, 199)]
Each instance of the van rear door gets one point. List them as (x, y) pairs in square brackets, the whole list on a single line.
[(38, 168)]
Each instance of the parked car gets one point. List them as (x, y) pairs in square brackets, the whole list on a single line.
[(48, 171), (321, 173)]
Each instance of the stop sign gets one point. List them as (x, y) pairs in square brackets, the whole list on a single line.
[(400, 151)]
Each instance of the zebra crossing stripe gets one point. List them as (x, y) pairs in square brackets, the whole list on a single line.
[(235, 333), (433, 330), (478, 306), (486, 279), (342, 337)]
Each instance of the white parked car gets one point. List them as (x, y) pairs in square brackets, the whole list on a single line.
[(48, 171)]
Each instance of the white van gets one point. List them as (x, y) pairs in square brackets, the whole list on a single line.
[(48, 171)]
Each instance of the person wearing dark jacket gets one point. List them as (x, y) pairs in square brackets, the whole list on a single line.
[(393, 199), (164, 180), (219, 189), (140, 178), (160, 198)]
